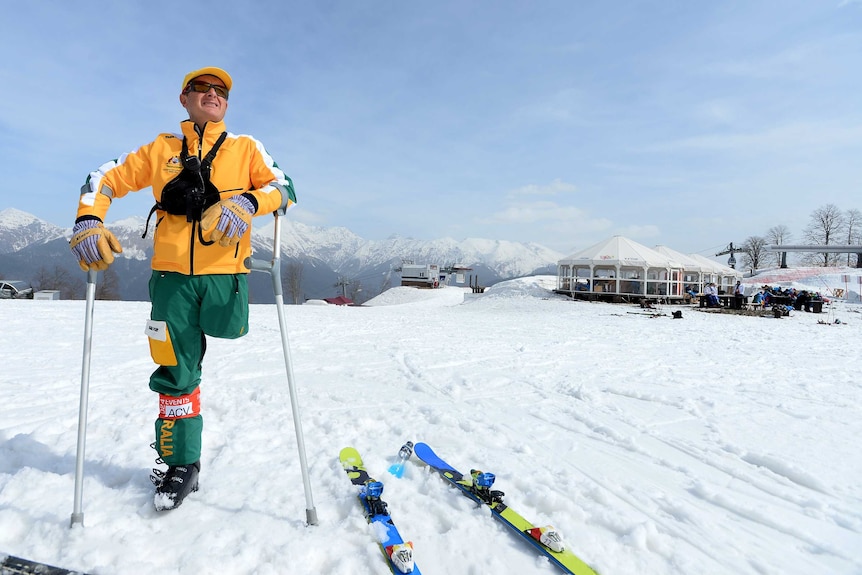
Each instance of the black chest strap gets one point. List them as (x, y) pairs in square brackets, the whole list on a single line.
[(190, 192)]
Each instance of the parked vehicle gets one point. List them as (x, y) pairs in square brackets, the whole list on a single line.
[(15, 289)]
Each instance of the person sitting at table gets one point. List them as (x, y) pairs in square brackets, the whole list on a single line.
[(691, 293), (757, 300), (711, 293)]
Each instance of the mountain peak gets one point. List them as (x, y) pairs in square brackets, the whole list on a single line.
[(19, 229), (12, 218)]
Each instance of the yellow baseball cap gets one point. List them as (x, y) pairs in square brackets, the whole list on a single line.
[(212, 71)]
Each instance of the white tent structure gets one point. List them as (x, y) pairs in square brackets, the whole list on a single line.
[(692, 270), (724, 277), (620, 269)]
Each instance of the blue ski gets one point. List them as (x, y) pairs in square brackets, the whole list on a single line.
[(477, 485), (399, 554)]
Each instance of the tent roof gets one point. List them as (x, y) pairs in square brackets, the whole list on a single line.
[(688, 263), (619, 250)]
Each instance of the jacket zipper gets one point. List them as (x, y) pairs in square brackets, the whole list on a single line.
[(195, 224)]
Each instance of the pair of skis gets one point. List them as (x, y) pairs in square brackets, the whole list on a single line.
[(477, 486)]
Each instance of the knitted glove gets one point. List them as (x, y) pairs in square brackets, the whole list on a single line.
[(93, 244), (227, 221)]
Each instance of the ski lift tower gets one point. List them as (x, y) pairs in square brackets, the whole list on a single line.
[(731, 261)]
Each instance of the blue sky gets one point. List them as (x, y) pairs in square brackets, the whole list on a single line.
[(688, 124)]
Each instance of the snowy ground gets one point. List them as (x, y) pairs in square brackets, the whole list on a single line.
[(709, 444)]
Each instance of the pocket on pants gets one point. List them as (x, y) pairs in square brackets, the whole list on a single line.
[(224, 309), (161, 347)]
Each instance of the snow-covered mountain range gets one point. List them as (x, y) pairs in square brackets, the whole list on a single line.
[(19, 229), (326, 254)]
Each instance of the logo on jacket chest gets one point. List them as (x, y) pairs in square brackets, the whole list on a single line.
[(173, 165)]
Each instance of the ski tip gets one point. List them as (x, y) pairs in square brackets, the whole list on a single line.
[(424, 452), (349, 457)]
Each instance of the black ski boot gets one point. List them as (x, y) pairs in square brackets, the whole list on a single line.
[(173, 485)]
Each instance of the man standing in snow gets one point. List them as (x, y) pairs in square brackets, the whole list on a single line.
[(738, 295), (208, 184)]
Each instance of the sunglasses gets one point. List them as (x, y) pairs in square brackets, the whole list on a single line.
[(204, 87)]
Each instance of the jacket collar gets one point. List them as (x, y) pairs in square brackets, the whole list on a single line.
[(211, 133)]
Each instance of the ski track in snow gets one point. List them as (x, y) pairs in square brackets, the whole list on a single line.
[(655, 445)]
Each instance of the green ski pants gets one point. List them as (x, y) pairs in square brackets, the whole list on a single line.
[(186, 309)]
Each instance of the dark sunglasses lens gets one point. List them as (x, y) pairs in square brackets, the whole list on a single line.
[(204, 87)]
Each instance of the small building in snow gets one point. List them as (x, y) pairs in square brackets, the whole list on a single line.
[(420, 275), (339, 300)]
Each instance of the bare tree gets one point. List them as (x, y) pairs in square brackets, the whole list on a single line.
[(387, 281), (753, 252), (108, 288), (69, 286), (853, 229), (292, 278), (354, 289), (826, 227), (778, 235)]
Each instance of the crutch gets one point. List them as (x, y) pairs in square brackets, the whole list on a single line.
[(77, 511), (274, 269)]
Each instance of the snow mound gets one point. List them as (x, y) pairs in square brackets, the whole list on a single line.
[(444, 296), (532, 286), (526, 287)]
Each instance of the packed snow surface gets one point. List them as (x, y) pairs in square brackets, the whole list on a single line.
[(710, 444)]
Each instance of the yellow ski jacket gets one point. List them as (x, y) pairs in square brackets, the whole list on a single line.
[(241, 165)]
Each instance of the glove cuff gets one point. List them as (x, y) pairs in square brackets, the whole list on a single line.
[(252, 200), (86, 223), (85, 218)]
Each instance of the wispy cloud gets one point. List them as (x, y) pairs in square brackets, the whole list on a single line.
[(544, 213), (640, 232), (556, 187), (790, 136), (718, 111), (533, 212), (527, 205), (567, 105)]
